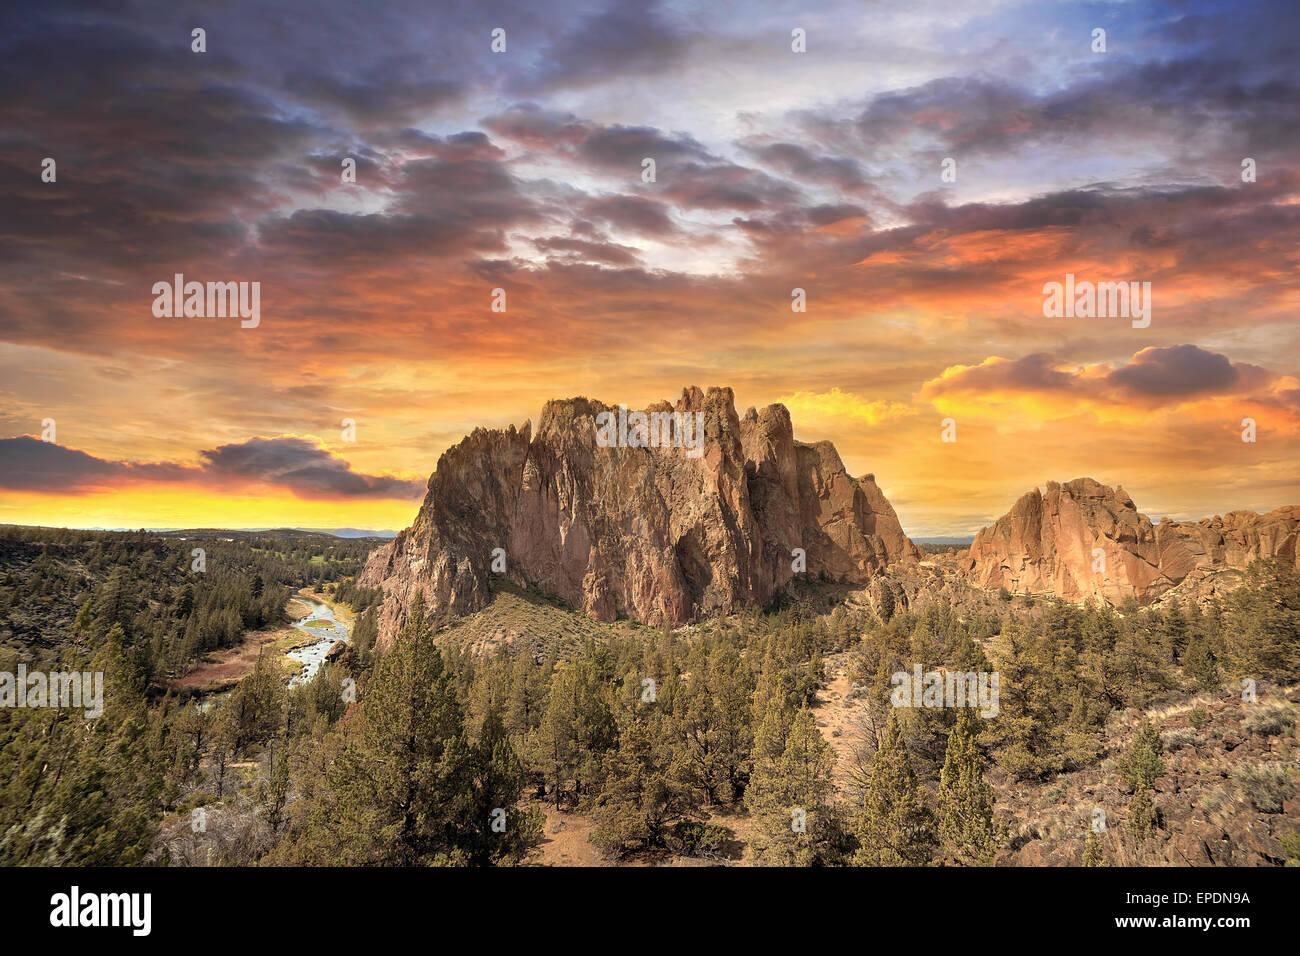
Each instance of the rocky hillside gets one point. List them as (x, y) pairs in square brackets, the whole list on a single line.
[(1046, 544), (659, 534), (1226, 797)]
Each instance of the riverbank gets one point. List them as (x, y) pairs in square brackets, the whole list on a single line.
[(326, 625), (221, 670)]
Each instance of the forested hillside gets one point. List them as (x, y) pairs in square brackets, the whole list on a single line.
[(710, 743)]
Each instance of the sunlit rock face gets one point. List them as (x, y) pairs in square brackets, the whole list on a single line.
[(1084, 540), (665, 534)]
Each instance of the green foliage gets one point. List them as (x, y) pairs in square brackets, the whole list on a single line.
[(662, 737), (966, 821), (790, 800), (1264, 785), (1262, 623), (892, 823), (1142, 762), (639, 797), (1093, 854), (1141, 765), (1291, 846)]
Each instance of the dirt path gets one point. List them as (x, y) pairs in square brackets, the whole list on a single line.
[(564, 840), (837, 719)]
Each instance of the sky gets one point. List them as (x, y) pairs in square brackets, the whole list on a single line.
[(523, 170)]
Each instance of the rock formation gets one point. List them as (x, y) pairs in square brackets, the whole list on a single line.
[(652, 533), (1084, 540)]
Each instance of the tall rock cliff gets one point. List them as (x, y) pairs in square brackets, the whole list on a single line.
[(657, 533), (1083, 540)]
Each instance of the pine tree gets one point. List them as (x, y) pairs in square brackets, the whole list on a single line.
[(966, 822), (790, 800), (893, 824)]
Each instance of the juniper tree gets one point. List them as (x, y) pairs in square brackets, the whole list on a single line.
[(639, 797), (893, 824), (790, 800), (711, 723), (398, 793), (1263, 623), (966, 821), (1093, 855), (1201, 664), (498, 829), (1140, 766), (576, 730)]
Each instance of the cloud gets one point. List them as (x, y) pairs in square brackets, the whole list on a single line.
[(1154, 376), (29, 464), (1036, 372), (297, 465), (800, 163), (304, 467), (522, 170), (628, 38), (631, 214), (584, 250), (392, 92), (1179, 371)]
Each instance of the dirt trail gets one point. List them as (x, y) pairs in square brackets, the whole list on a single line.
[(837, 717), (564, 840)]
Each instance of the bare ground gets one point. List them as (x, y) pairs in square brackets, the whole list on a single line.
[(221, 670)]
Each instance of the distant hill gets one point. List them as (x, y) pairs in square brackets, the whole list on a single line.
[(354, 532)]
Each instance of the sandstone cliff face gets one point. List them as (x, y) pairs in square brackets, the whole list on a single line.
[(1046, 543), (651, 533)]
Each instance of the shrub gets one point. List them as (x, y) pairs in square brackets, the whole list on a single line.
[(1269, 722), (692, 838), (1180, 738), (1291, 844), (1213, 801), (1264, 785)]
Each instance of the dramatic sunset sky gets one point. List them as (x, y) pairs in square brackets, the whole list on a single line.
[(523, 170)]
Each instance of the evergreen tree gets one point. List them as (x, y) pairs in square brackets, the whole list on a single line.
[(1139, 768), (893, 824), (1093, 855), (500, 831), (966, 822), (790, 799), (399, 792), (1263, 623), (639, 797)]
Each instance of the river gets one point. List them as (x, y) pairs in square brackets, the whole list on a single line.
[(312, 655)]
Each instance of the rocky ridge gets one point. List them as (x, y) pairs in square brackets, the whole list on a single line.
[(652, 533), (1083, 540)]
